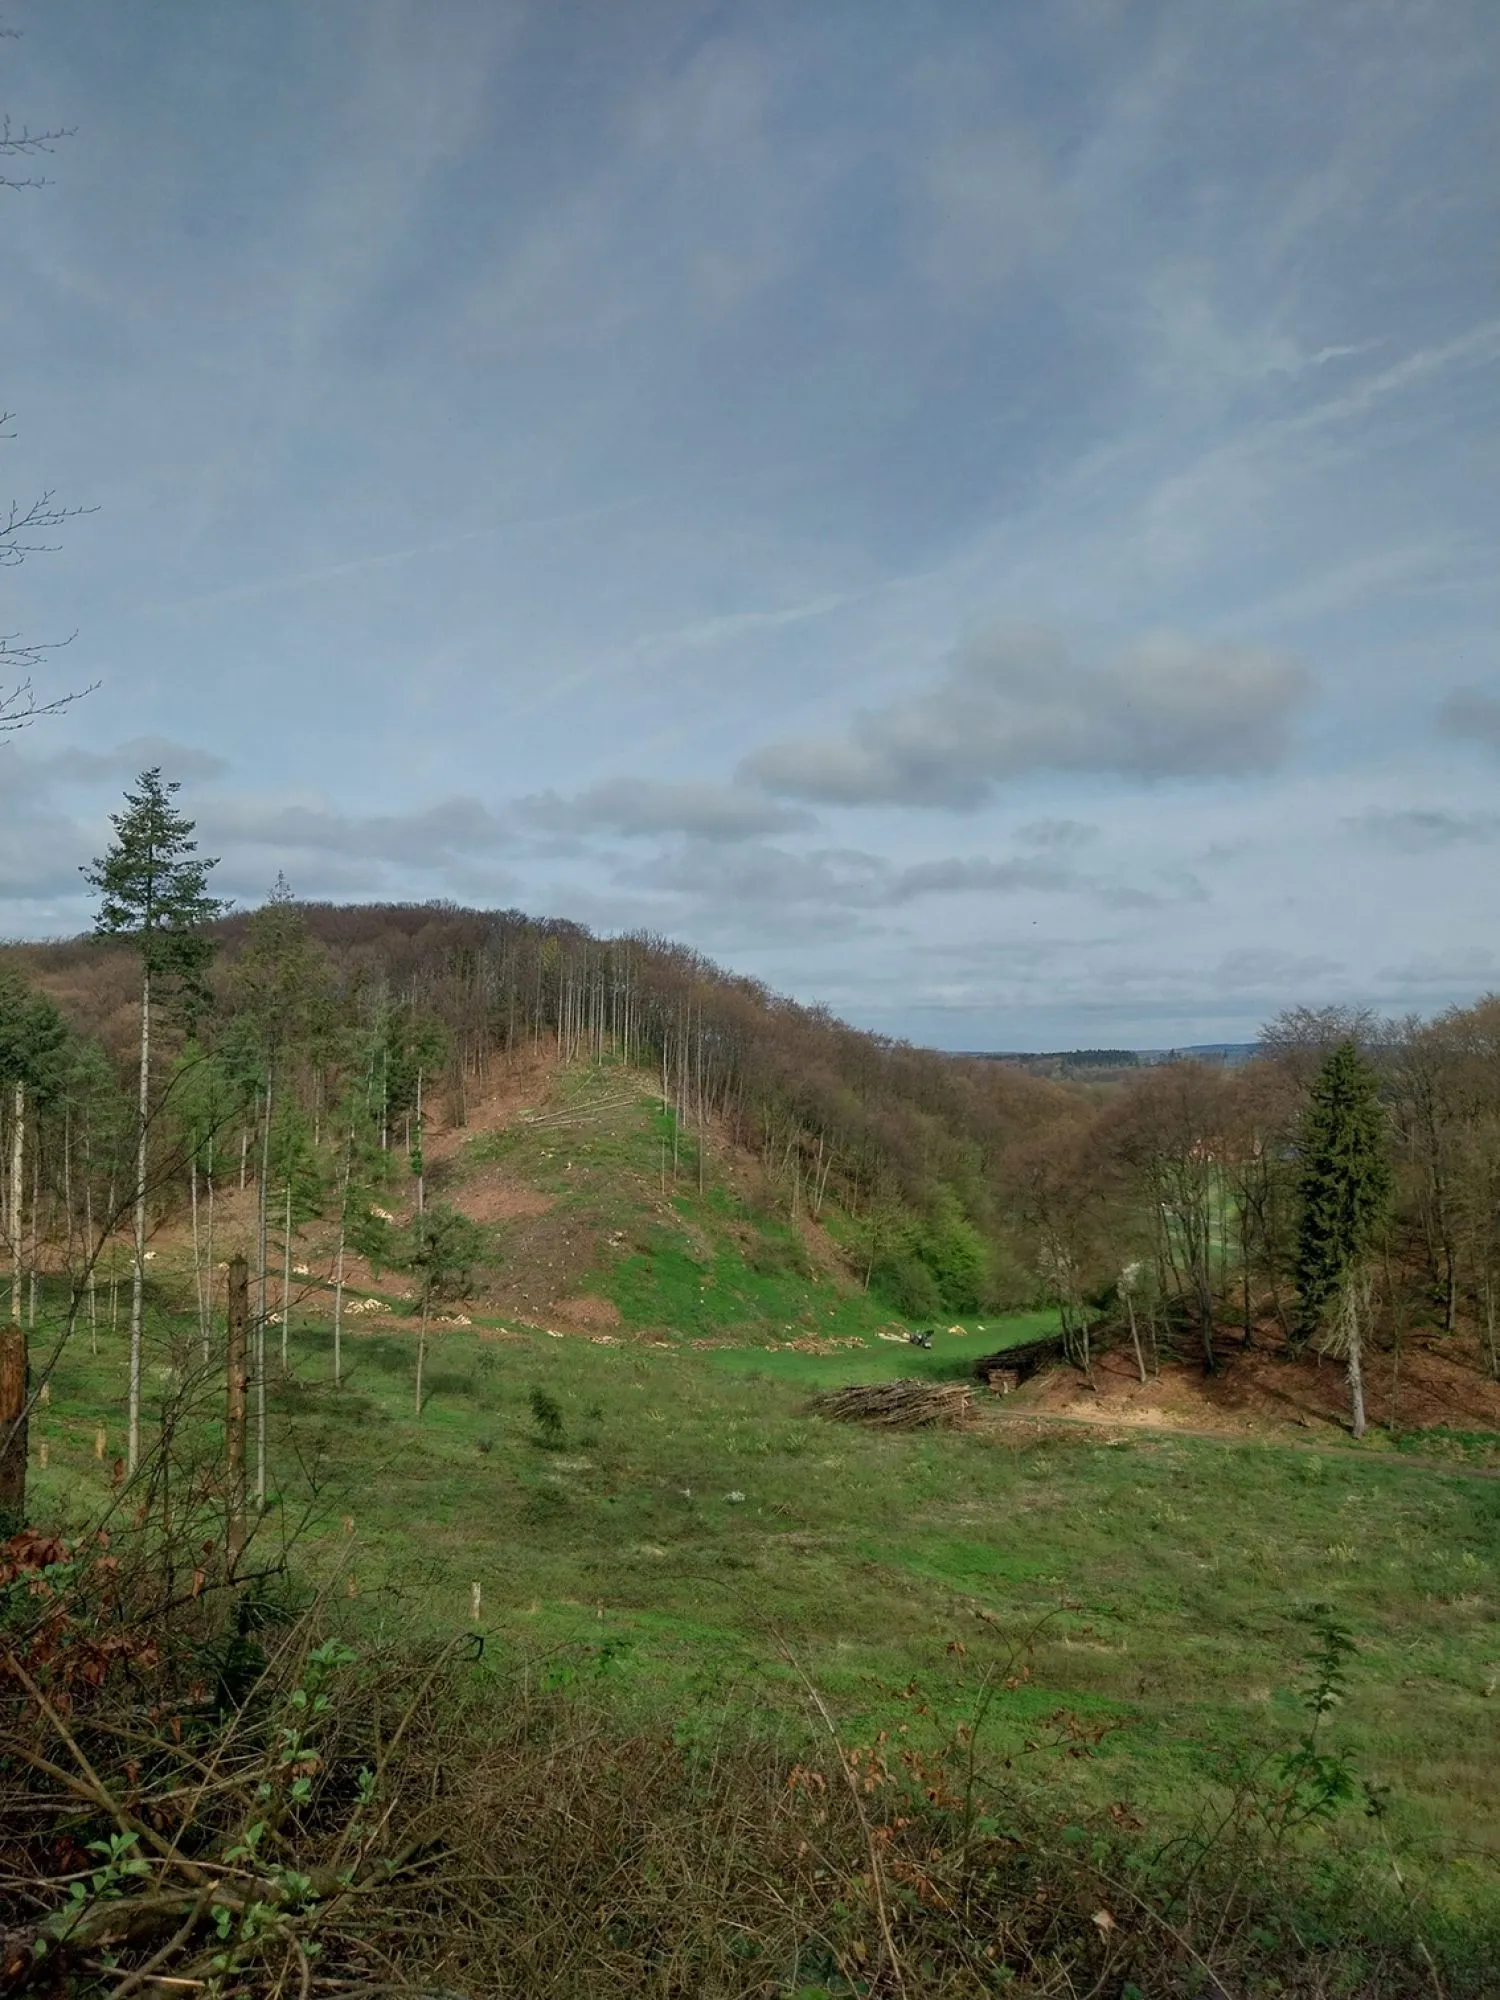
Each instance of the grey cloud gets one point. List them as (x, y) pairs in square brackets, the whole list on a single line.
[(1017, 702), (1473, 715), (760, 874), (454, 830), (1468, 970), (1057, 834), (43, 842), (641, 806), (1425, 831), (40, 856), (1255, 967), (179, 761)]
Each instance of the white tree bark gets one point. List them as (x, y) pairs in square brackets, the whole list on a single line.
[(138, 1276), (286, 1281), (338, 1280), (198, 1259), (260, 1319)]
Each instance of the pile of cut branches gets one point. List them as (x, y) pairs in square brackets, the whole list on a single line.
[(906, 1406)]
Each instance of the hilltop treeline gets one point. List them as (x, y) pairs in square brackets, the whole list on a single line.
[(1167, 1201)]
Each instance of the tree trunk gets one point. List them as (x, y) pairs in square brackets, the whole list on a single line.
[(198, 1259), (338, 1280), (286, 1282), (1135, 1337), (91, 1248), (421, 1155), (17, 1169), (260, 1318), (208, 1256), (13, 1413), (238, 1317), (1354, 1335), (36, 1248), (421, 1351), (138, 1276)]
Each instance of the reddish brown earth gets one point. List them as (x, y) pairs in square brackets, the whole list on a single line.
[(1440, 1380)]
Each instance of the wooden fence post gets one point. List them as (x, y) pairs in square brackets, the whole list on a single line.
[(238, 1383), (13, 1428)]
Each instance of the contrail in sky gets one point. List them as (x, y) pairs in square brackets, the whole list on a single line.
[(270, 585)]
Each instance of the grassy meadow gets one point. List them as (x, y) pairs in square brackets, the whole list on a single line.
[(674, 1529), (651, 1515)]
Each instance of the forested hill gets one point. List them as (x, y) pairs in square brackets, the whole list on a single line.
[(909, 1141), (959, 1182)]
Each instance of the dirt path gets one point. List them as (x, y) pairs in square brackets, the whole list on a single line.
[(1121, 1432)]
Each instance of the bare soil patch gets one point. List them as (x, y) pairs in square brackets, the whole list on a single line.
[(1436, 1380), (588, 1313), (519, 1081), (492, 1195)]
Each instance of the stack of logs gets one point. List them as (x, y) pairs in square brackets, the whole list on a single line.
[(900, 1405)]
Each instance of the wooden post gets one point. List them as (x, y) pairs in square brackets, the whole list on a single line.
[(239, 1381), (12, 1426)]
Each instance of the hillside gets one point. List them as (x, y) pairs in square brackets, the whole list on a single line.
[(1179, 1650), (614, 1483), (653, 1145)]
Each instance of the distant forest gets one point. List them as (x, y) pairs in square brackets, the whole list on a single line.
[(1165, 1201)]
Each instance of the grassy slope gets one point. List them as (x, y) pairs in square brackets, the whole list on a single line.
[(697, 1537)]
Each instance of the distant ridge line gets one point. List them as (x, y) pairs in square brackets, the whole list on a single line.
[(1229, 1054)]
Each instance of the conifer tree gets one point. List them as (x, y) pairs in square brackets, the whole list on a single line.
[(1344, 1190), (152, 886)]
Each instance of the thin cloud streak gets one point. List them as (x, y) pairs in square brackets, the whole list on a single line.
[(389, 558)]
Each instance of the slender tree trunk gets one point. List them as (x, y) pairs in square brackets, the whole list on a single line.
[(1355, 1292), (198, 1258), (237, 1319), (68, 1216), (208, 1255), (17, 1169), (260, 1318), (286, 1282), (421, 1154), (422, 1349), (1135, 1337), (138, 1275), (338, 1279), (91, 1249), (36, 1192)]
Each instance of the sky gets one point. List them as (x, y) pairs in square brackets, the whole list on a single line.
[(982, 515)]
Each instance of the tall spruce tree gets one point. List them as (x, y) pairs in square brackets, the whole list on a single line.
[(152, 886), (1344, 1189)]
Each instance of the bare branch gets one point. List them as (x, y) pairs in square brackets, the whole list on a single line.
[(26, 144)]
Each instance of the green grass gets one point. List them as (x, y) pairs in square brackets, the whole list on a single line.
[(699, 1541), (689, 1265), (698, 1544)]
